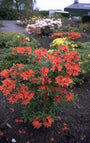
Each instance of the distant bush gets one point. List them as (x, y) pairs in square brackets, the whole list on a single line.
[(84, 62), (13, 14), (84, 27), (44, 13), (86, 18), (68, 29), (65, 14), (14, 39), (8, 14), (10, 39), (1, 24), (27, 14), (31, 20)]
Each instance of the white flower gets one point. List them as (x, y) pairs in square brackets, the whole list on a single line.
[(52, 23)]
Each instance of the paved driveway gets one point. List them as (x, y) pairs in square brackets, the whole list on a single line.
[(10, 26)]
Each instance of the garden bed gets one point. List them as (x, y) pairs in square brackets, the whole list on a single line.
[(72, 125), (75, 115)]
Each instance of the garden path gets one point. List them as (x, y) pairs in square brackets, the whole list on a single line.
[(11, 26)]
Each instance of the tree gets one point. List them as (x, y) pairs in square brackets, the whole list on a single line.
[(24, 4), (8, 3), (18, 4)]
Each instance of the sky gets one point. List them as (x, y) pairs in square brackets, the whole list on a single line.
[(56, 4)]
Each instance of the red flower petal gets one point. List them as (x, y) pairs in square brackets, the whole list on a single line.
[(59, 118), (12, 109), (52, 139), (1, 133)]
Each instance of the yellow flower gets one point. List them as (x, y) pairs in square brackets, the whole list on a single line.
[(59, 41), (83, 71), (27, 38), (80, 63), (18, 36), (73, 49), (86, 61), (51, 51), (74, 45), (88, 55)]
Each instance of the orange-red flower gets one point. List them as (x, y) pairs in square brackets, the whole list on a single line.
[(34, 79), (45, 80), (57, 35), (1, 133), (49, 56), (36, 123), (43, 87), (27, 74), (70, 56), (64, 48), (8, 86), (12, 109), (39, 53), (65, 127), (48, 121), (23, 40), (52, 139), (63, 81), (68, 35), (63, 91), (16, 69), (5, 73), (72, 68), (44, 71), (73, 36), (69, 96), (59, 118), (56, 63), (57, 98), (23, 94), (22, 50), (55, 88)]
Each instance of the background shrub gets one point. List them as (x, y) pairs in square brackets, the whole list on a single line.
[(11, 39), (68, 29), (14, 39), (8, 14), (84, 27), (1, 23), (86, 18), (84, 50), (44, 13)]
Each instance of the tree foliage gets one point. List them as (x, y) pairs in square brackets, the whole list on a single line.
[(18, 4)]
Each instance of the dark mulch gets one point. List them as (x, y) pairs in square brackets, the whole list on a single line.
[(75, 115)]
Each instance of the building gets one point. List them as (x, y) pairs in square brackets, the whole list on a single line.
[(52, 12), (79, 9)]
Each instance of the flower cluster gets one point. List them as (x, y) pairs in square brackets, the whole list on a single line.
[(30, 29), (31, 20), (22, 50), (52, 23), (68, 35), (63, 41), (37, 123), (42, 83)]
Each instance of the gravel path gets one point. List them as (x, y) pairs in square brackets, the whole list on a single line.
[(10, 26)]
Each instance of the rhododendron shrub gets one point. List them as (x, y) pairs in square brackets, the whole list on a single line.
[(58, 42), (47, 24), (41, 84), (68, 35)]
